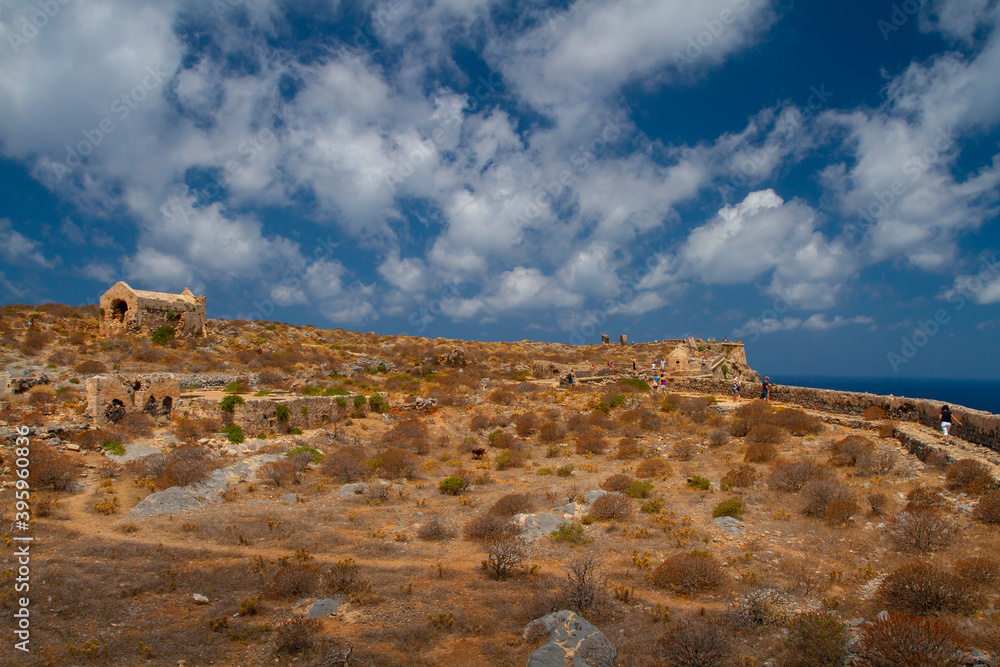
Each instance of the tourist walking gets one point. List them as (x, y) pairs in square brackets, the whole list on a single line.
[(571, 378), (736, 388), (946, 420), (633, 365), (765, 389)]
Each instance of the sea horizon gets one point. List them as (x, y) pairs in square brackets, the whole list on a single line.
[(977, 394)]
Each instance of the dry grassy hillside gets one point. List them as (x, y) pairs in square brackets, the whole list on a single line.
[(831, 524)]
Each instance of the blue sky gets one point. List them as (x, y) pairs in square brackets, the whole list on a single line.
[(819, 180)]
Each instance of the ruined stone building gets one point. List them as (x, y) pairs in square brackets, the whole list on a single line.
[(127, 310), (111, 397)]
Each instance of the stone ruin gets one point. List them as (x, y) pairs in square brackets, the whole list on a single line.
[(127, 310), (605, 339), (111, 397), (623, 339)]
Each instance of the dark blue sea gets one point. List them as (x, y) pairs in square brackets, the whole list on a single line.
[(975, 394)]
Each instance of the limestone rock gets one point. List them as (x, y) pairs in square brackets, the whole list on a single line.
[(573, 641), (729, 524), (536, 526), (199, 599)]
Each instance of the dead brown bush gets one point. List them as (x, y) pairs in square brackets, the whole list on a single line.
[(551, 431), (921, 588), (277, 473), (193, 430), (397, 463), (617, 482), (767, 434), (137, 425), (654, 467), (296, 634), (919, 530), (293, 581), (90, 367), (879, 461), (501, 439), (875, 413), (925, 497), (760, 452), (628, 448), (433, 529), (988, 508), (689, 573), (501, 397), (591, 444), (840, 512), (511, 504), (612, 507), (684, 450), (743, 476), (880, 503), (905, 639), (488, 527), (47, 467), (969, 475), (718, 437), (479, 422), (410, 434), (979, 572), (695, 642), (846, 451), (799, 422), (346, 464), (819, 494), (184, 471), (791, 475)]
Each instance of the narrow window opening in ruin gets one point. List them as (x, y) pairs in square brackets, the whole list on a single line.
[(150, 407)]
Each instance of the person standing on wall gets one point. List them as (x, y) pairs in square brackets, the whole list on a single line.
[(765, 388), (946, 419)]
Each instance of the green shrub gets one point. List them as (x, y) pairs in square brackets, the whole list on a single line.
[(229, 403), (503, 461), (294, 430), (237, 388), (571, 533), (234, 433), (378, 404), (638, 383), (564, 471), (817, 639), (314, 453), (651, 506), (699, 482), (638, 489), (114, 447), (545, 471), (451, 486), (283, 413), (360, 401), (731, 507), (163, 335)]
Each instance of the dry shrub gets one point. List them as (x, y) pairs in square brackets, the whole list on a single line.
[(840, 512), (397, 463), (760, 452), (551, 431), (969, 475), (925, 497), (792, 475), (501, 397), (937, 458), (149, 354), (718, 437), (880, 503), (879, 461), (761, 607), (90, 367), (914, 641), (767, 433), (278, 472), (270, 376), (628, 448), (433, 530), (578, 423), (845, 452), (346, 464), (919, 530), (479, 422), (34, 342), (887, 429), (488, 527), (591, 444), (501, 439), (511, 504), (921, 588), (742, 476), (526, 424), (654, 467), (151, 466), (689, 573), (293, 581), (137, 425), (504, 555), (192, 430), (410, 434), (612, 507), (698, 642), (874, 413), (751, 415), (47, 467), (296, 634), (988, 508), (799, 422), (183, 471), (617, 482), (684, 450), (820, 493), (41, 394), (978, 572), (650, 422)]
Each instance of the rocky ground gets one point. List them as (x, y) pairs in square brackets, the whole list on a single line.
[(617, 525)]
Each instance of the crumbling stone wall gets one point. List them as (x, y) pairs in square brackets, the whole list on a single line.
[(260, 414), (111, 397), (981, 428)]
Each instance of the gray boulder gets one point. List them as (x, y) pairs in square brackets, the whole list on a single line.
[(536, 526), (573, 641), (729, 524)]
